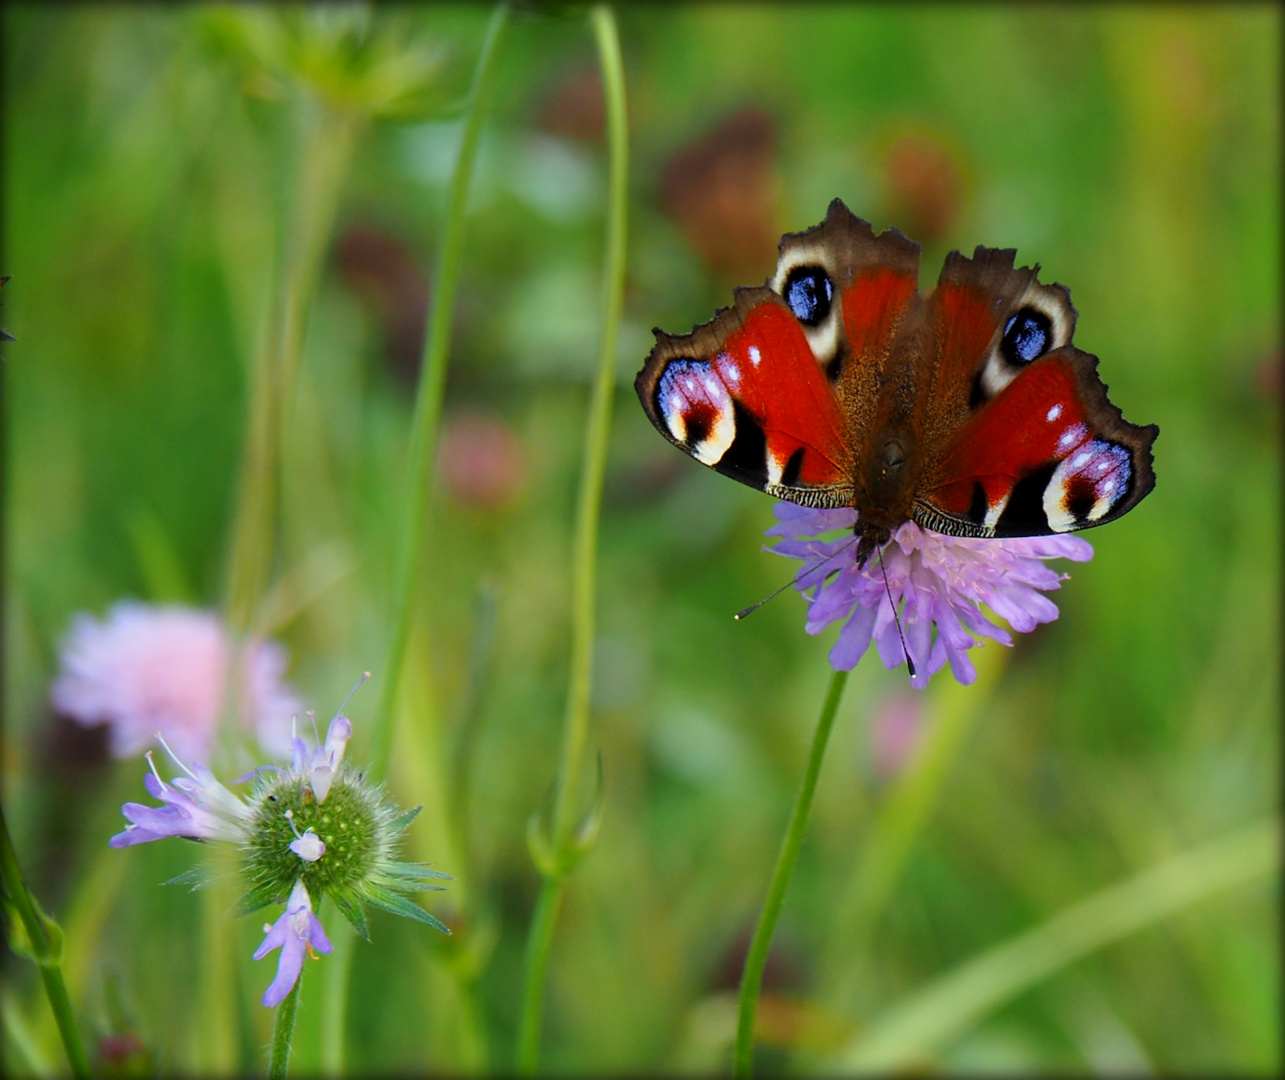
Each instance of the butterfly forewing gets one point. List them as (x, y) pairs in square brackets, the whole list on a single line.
[(744, 395), (975, 316), (862, 283)]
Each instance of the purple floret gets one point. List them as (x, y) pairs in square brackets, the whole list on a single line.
[(938, 581)]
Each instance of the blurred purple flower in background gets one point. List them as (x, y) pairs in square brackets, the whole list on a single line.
[(144, 669), (943, 581)]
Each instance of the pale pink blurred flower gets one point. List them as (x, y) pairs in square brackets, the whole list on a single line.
[(894, 732), (144, 669), (483, 462)]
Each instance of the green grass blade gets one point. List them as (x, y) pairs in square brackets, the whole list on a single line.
[(950, 1005)]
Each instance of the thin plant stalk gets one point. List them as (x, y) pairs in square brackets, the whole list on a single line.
[(327, 138), (584, 564), (326, 150), (431, 390), (756, 958), (422, 456), (544, 921), (282, 1032), (45, 941)]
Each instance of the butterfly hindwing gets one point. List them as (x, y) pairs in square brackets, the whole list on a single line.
[(1047, 454), (1020, 439)]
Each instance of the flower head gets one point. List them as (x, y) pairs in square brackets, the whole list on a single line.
[(313, 829), (938, 581), (144, 669)]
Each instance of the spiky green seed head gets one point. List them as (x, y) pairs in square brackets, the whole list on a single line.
[(361, 829)]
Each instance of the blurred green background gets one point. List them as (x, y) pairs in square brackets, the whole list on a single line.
[(1134, 152)]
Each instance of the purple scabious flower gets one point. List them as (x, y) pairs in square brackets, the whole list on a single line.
[(937, 581), (296, 931), (145, 668), (317, 828)]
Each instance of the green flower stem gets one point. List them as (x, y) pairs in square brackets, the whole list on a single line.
[(282, 1032), (584, 583), (756, 958), (544, 921), (327, 142), (428, 396), (585, 559), (950, 1004), (422, 454), (44, 940)]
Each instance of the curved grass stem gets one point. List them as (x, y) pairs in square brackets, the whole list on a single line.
[(925, 1020), (327, 140), (422, 454), (575, 734), (44, 941), (428, 396), (756, 958)]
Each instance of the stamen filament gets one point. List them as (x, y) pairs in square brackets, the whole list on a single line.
[(364, 676), (152, 765), (161, 739)]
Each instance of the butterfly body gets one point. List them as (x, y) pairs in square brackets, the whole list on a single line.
[(837, 383)]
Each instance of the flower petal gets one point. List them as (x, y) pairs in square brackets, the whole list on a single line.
[(938, 582), (288, 968), (854, 639)]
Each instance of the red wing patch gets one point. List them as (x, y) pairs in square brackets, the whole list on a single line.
[(1048, 454), (751, 401), (873, 306)]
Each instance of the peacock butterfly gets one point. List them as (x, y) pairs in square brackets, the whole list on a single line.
[(836, 384)]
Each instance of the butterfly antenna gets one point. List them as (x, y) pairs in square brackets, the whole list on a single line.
[(910, 664), (794, 581)]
